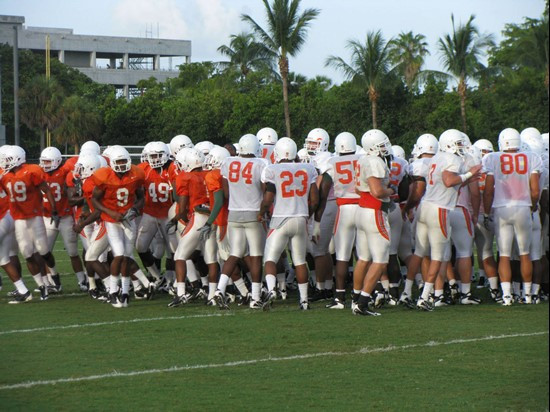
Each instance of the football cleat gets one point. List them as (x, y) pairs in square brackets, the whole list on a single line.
[(243, 300), (441, 301), (230, 297), (210, 302), (178, 301), (454, 292), (255, 304), (364, 311), (271, 296), (282, 294), (527, 299), (481, 282), (421, 304), (21, 298), (468, 299), (94, 293), (83, 286), (140, 293), (43, 292), (379, 299), (317, 295), (13, 293), (304, 305), (54, 289), (536, 299), (121, 301), (219, 299), (335, 304), (495, 295), (353, 306), (406, 300), (197, 293), (507, 300)]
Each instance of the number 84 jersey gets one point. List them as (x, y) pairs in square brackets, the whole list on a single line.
[(512, 172)]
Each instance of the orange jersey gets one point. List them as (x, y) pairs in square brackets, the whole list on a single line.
[(192, 185), (70, 162), (213, 180), (119, 193), (56, 182), (23, 191), (158, 192), (4, 204)]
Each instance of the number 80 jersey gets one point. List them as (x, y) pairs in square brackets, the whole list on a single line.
[(292, 182)]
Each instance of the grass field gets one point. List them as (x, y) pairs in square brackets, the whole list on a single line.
[(73, 353)]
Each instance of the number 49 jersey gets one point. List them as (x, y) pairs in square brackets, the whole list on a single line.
[(158, 192), (120, 193), (292, 182), (512, 172), (243, 175)]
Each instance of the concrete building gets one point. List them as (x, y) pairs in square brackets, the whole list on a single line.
[(119, 61)]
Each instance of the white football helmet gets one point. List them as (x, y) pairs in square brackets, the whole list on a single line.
[(86, 165), (484, 145), (204, 147), (90, 147), (320, 161), (398, 151), (267, 136), (415, 153), (285, 149), (317, 141), (237, 148), (544, 137), (120, 159), (452, 141), (178, 142), (144, 152), (509, 139), (180, 159), (427, 144), (13, 156), (304, 156), (215, 158), (476, 154), (158, 154), (109, 149), (533, 144), (345, 142), (193, 158), (249, 145), (530, 132), (376, 143), (50, 159)]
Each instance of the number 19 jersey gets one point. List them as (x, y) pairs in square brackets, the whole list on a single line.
[(512, 172), (292, 182), (243, 175)]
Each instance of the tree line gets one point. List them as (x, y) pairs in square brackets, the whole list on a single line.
[(386, 87)]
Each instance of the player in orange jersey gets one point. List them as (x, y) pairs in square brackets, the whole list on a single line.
[(25, 183), (119, 196)]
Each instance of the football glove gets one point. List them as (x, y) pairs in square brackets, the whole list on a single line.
[(487, 221), (131, 214), (171, 224), (316, 231), (55, 220), (204, 231), (77, 186)]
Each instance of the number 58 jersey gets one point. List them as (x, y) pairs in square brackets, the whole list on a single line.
[(512, 172), (243, 175), (292, 182)]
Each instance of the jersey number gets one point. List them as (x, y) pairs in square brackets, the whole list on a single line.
[(431, 174), (159, 194), (235, 172), (510, 164), (18, 192), (122, 195), (345, 171), (288, 180), (55, 188), (395, 173)]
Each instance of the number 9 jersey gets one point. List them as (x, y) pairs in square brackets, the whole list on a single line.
[(120, 193), (511, 172)]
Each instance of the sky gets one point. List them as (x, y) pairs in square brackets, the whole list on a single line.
[(209, 23)]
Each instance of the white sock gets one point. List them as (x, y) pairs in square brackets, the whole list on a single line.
[(385, 284), (52, 271), (21, 288), (136, 284), (126, 284), (222, 284), (465, 288), (170, 275), (142, 278), (527, 288), (281, 280), (91, 283), (212, 286), (154, 271), (428, 287), (535, 289), (493, 282), (256, 288), (418, 279), (516, 288), (38, 279), (506, 288), (452, 282), (113, 287), (482, 273), (302, 287), (438, 293), (271, 281), (191, 271), (329, 283), (241, 286), (204, 280), (181, 288), (408, 287), (81, 276), (319, 285)]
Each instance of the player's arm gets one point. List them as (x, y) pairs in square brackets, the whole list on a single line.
[(83, 222), (324, 189), (97, 197), (489, 193), (543, 205), (225, 187), (377, 189), (140, 198), (44, 188), (183, 205), (415, 194), (217, 207), (534, 186), (267, 201), (451, 179), (475, 197)]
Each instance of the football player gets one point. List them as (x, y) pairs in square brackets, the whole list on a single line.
[(267, 138)]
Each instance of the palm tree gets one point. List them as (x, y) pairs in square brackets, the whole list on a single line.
[(81, 122), (245, 53), (407, 53), (369, 65), (41, 101), (460, 54), (285, 35)]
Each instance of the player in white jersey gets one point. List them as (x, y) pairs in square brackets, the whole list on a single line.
[(267, 138), (512, 190), (340, 174), (425, 148), (372, 176), (242, 181), (445, 176), (291, 187)]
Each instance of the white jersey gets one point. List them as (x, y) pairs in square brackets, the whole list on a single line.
[(420, 167), (292, 182), (342, 171), (464, 196), (371, 166), (399, 169), (243, 175), (267, 153), (436, 191), (512, 172)]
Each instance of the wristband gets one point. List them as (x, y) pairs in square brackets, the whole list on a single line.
[(465, 176)]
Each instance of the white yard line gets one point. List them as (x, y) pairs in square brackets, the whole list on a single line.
[(115, 322), (362, 351)]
